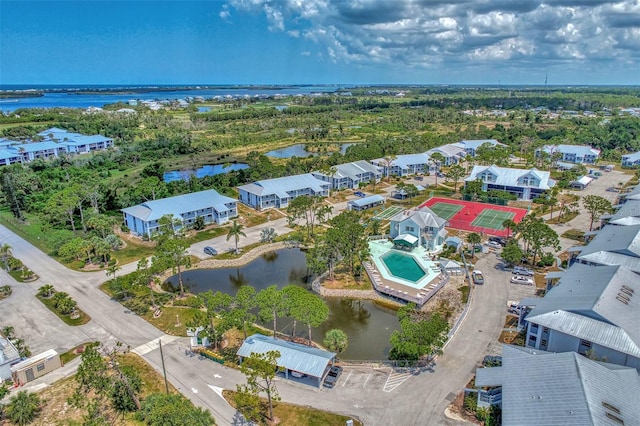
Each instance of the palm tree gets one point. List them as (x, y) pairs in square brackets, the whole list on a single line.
[(473, 239), (5, 254), (46, 291), (23, 408), (236, 231), (437, 159), (112, 270), (510, 225)]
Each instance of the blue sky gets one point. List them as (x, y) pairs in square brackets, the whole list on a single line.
[(320, 41)]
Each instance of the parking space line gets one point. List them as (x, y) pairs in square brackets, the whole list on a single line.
[(395, 379), (344, 382), (365, 382)]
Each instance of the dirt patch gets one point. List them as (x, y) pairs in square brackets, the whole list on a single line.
[(448, 301), (130, 238), (457, 411)]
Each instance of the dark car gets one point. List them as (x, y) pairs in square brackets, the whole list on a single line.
[(360, 194), (210, 251), (498, 240), (332, 377), (492, 361), (419, 178)]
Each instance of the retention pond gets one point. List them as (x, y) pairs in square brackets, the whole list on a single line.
[(367, 325)]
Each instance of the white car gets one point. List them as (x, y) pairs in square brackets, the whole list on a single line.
[(513, 307), (493, 244), (477, 277), (521, 279)]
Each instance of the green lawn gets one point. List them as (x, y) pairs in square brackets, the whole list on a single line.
[(82, 319)]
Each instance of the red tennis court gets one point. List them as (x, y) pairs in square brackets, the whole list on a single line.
[(475, 217)]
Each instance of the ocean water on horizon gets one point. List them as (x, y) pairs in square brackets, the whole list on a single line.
[(64, 96)]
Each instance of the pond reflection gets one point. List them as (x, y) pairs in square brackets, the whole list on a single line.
[(367, 325)]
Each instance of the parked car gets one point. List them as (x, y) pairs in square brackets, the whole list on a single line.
[(521, 279), (492, 361), (493, 244), (477, 277), (332, 376), (210, 251), (297, 374), (612, 189), (419, 178), (519, 270), (440, 174), (360, 194), (499, 240), (513, 307)]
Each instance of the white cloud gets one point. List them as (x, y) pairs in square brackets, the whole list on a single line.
[(453, 33)]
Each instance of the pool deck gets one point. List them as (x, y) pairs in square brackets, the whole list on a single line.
[(393, 287)]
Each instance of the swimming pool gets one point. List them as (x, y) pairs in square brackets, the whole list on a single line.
[(403, 266)]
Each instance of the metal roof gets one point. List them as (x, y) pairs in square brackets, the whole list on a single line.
[(509, 177), (281, 186), (476, 143), (585, 328), (155, 209), (8, 352), (423, 217), (36, 146), (584, 180), (578, 150), (294, 356), (361, 202), (448, 150), (36, 358), (631, 157), (353, 170), (623, 240), (6, 154), (542, 388), (629, 209), (586, 303), (404, 160)]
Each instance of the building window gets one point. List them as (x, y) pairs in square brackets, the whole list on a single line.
[(585, 343), (545, 330), (534, 328), (543, 343), (40, 366)]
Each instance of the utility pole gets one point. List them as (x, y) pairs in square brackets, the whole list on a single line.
[(164, 371)]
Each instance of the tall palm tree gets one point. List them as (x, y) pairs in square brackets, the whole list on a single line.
[(510, 225), (236, 231), (5, 254)]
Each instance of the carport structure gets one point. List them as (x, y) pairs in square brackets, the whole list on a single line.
[(293, 356)]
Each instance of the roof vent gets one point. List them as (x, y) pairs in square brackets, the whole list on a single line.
[(250, 341)]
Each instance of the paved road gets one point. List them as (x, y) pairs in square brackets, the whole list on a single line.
[(377, 396)]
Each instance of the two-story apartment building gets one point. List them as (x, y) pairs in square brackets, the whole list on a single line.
[(38, 150), (611, 245), (581, 154), (76, 143), (471, 146), (403, 164), (525, 184), (279, 192), (421, 223), (143, 219), (452, 153), (535, 388), (631, 160), (593, 310), (350, 175)]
